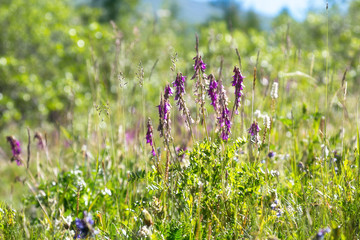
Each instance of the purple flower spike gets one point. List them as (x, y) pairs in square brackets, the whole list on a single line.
[(254, 129), (199, 65), (149, 136), (15, 149), (179, 84), (166, 109), (226, 132), (238, 84), (212, 91), (224, 123), (168, 92), (164, 114)]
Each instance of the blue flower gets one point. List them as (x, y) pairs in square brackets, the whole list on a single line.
[(84, 226), (321, 233), (271, 154)]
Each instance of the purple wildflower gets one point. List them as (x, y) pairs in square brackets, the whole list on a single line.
[(161, 116), (179, 84), (41, 142), (166, 109), (15, 149), (321, 234), (166, 104), (301, 166), (168, 92), (271, 154), (149, 136), (198, 66), (164, 114), (84, 226), (254, 129), (212, 91), (180, 151), (224, 123), (238, 84)]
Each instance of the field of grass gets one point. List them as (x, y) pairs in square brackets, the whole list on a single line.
[(153, 129)]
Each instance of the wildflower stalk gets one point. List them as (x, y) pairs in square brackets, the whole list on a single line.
[(358, 139), (294, 144), (326, 70), (242, 98), (149, 136), (239, 58), (122, 85), (28, 149), (344, 91), (179, 84), (254, 139), (267, 124), (224, 122), (199, 68), (202, 107), (165, 122), (238, 84), (140, 76), (253, 96)]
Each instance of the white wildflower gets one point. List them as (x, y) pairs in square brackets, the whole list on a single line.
[(267, 121), (274, 90), (258, 114), (144, 232)]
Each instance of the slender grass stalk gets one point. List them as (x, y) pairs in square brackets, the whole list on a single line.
[(344, 90), (28, 149), (144, 129), (358, 140), (239, 58), (203, 111), (324, 169), (201, 99), (41, 205), (326, 71), (253, 96), (294, 145)]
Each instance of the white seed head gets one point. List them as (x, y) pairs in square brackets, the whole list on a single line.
[(267, 121), (274, 90)]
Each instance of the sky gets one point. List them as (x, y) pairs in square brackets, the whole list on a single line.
[(271, 8)]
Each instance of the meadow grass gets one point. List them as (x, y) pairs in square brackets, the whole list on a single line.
[(273, 151)]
